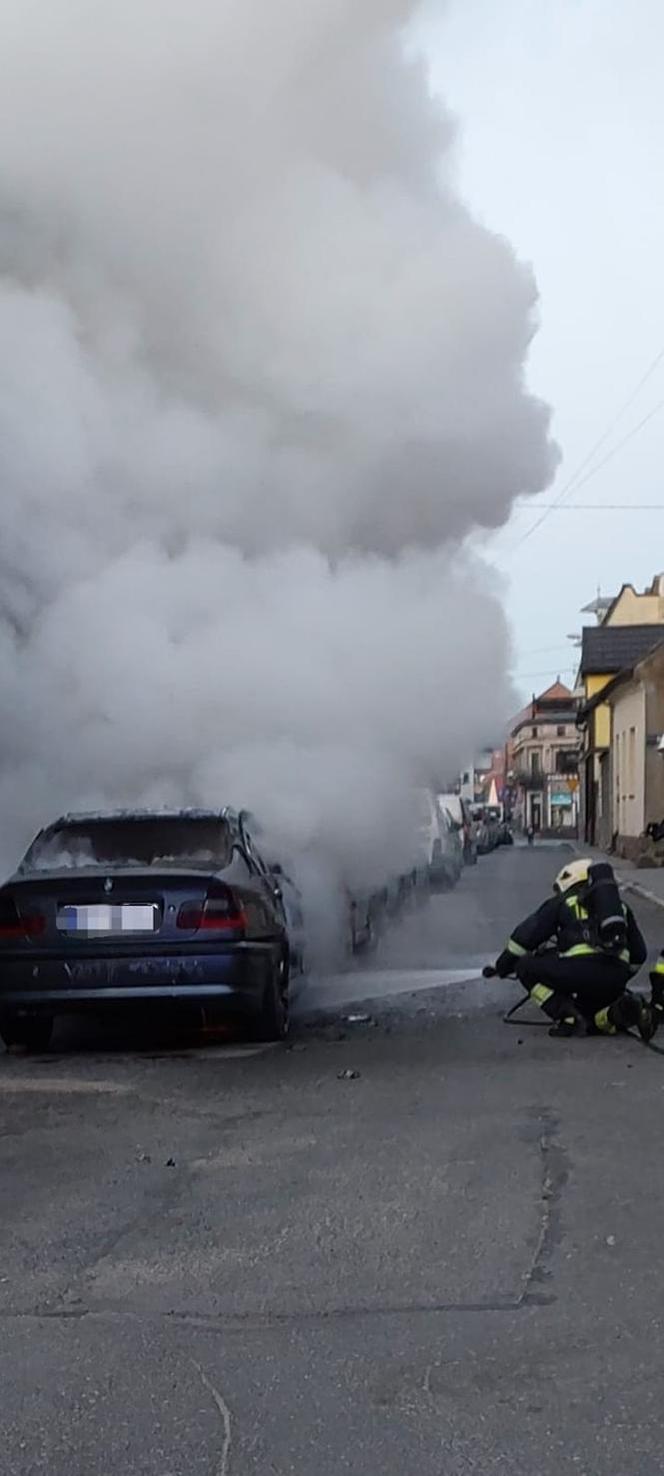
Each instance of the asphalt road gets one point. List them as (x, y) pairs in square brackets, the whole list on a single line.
[(228, 1263)]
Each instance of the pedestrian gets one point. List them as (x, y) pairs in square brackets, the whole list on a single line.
[(577, 953), (530, 833)]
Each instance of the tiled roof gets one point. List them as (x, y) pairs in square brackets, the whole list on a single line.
[(607, 649), (555, 693)]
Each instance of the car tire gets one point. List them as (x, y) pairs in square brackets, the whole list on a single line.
[(272, 1022), (30, 1032)]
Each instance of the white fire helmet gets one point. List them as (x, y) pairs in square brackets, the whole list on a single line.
[(572, 875)]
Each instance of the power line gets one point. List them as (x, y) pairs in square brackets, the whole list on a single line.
[(615, 449), (546, 650), (528, 675), (598, 507), (573, 481)]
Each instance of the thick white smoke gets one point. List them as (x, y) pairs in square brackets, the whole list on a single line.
[(260, 374)]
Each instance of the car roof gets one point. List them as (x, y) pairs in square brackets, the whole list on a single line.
[(93, 817)]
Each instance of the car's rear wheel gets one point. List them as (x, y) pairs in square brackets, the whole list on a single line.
[(272, 1021), (30, 1032)]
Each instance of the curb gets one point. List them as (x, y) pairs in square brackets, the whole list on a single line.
[(625, 883), (643, 892)]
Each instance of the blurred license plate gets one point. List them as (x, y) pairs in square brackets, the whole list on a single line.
[(102, 917)]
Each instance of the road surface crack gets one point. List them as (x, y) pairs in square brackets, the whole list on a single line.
[(224, 1412), (554, 1177)]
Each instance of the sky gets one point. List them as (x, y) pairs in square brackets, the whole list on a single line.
[(560, 115)]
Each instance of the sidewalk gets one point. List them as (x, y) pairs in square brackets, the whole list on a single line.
[(643, 882)]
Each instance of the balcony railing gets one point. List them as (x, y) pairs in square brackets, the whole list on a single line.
[(528, 779)]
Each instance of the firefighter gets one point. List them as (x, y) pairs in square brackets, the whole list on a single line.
[(657, 988), (580, 978)]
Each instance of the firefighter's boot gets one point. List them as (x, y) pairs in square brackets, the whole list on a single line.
[(564, 1013), (627, 1013), (657, 990)]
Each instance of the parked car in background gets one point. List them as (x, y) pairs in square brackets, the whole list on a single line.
[(486, 830), (143, 910), (451, 846), (462, 820), (366, 912), (484, 838), (439, 857)]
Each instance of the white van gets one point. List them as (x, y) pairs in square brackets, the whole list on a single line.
[(462, 820), (439, 850)]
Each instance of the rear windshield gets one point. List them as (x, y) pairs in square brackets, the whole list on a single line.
[(127, 842)]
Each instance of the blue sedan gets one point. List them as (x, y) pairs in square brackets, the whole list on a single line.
[(147, 910)]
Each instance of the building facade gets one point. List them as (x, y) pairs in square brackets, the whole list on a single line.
[(633, 767), (607, 650), (542, 759)]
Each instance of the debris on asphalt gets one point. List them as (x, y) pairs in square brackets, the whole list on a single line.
[(610, 1239), (170, 1163), (143, 1158), (297, 1045), (358, 1019), (347, 1075)]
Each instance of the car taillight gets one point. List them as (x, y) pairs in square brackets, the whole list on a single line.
[(219, 913), (19, 923)]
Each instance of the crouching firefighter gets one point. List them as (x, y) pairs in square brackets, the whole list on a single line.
[(590, 947), (657, 988)]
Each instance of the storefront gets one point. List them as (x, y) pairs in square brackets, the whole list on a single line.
[(562, 805)]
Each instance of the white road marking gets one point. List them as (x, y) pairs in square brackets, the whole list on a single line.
[(64, 1084)]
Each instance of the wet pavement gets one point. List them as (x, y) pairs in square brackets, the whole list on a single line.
[(419, 1239)]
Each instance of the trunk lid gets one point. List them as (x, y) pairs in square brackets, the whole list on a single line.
[(80, 910)]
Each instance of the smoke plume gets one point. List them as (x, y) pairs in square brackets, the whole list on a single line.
[(260, 374)]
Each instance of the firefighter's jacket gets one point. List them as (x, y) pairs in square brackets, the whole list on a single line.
[(564, 922)]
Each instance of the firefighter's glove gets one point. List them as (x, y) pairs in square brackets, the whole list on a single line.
[(505, 964)]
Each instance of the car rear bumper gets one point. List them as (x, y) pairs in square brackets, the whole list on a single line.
[(237, 976)]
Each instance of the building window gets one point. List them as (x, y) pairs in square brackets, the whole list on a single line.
[(533, 732), (560, 730), (535, 765)]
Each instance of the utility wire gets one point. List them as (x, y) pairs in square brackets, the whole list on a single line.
[(547, 650), (554, 671), (577, 479), (598, 507), (618, 447)]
